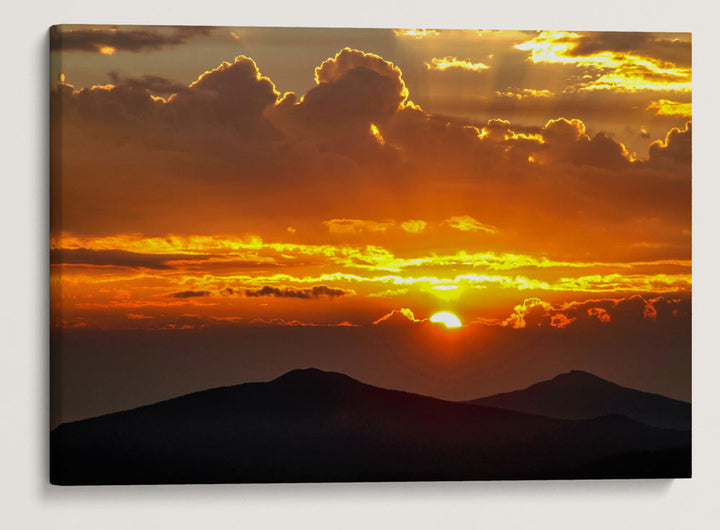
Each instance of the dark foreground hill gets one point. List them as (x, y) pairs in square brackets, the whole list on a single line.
[(313, 426), (582, 395)]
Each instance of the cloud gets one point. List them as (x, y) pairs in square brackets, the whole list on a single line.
[(70, 323), (566, 140), (661, 46), (233, 95), (416, 33), (356, 226), (354, 91), (221, 108), (109, 40), (349, 63), (316, 291), (191, 294), (376, 268), (600, 313), (524, 93), (387, 293), (117, 258), (249, 148), (564, 131), (534, 312), (498, 148), (184, 245), (138, 316), (676, 148), (413, 226), (465, 223), (154, 84), (559, 320), (278, 321), (666, 107), (445, 63), (398, 317), (612, 62)]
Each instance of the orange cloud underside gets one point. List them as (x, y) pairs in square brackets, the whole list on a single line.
[(130, 281)]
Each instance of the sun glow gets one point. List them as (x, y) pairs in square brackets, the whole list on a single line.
[(444, 317)]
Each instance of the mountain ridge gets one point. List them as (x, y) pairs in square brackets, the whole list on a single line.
[(314, 426), (578, 394)]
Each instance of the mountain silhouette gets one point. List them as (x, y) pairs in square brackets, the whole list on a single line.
[(315, 426), (582, 395)]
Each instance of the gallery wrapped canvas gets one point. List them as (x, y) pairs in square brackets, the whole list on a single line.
[(336, 255)]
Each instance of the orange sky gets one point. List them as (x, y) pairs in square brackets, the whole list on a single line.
[(210, 177)]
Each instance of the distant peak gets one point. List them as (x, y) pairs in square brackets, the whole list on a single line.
[(312, 375), (309, 370), (579, 377), (577, 373)]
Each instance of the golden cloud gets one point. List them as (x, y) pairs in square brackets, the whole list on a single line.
[(533, 309), (416, 33), (525, 93), (356, 226), (446, 63), (617, 70), (466, 223), (398, 316), (413, 226), (537, 312), (666, 107)]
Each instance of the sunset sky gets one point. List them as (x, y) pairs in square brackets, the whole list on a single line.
[(218, 192)]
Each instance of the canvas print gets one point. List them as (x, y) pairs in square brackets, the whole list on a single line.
[(346, 254)]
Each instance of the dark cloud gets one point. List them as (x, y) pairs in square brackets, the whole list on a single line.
[(534, 312), (146, 39), (354, 91), (631, 309), (664, 47), (371, 79), (219, 115), (257, 148), (154, 84), (592, 43), (117, 258), (677, 147), (289, 292), (398, 317), (566, 141), (191, 294), (234, 109), (232, 96), (499, 144), (324, 290)]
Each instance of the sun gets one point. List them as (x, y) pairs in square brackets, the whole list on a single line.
[(444, 317)]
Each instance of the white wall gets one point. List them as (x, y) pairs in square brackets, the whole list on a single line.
[(27, 501)]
